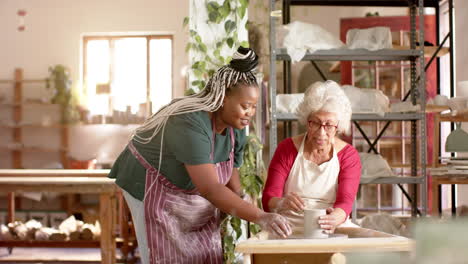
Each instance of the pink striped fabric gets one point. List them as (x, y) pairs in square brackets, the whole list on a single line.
[(182, 226)]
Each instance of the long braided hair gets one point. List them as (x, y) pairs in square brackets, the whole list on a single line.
[(210, 99), (239, 71)]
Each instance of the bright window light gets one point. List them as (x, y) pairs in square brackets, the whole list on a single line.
[(127, 80), (97, 71), (129, 74), (160, 72)]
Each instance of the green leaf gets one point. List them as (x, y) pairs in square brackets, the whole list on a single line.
[(244, 44), (189, 92), (193, 33), (198, 73), (202, 85), (186, 21), (241, 11), (244, 3), (203, 47), (225, 9), (230, 42), (212, 6), (229, 26), (196, 65), (188, 47), (235, 38), (198, 39), (202, 65), (217, 53), (213, 16), (228, 240), (236, 226)]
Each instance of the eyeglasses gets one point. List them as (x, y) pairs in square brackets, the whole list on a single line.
[(315, 126)]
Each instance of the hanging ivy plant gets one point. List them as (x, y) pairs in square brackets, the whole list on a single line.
[(227, 16), (251, 180), (209, 56)]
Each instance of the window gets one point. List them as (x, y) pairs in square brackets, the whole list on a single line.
[(127, 73)]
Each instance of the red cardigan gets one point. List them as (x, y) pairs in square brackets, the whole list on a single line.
[(283, 160)]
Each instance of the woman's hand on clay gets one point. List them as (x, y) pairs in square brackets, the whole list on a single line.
[(291, 201), (333, 218), (275, 223)]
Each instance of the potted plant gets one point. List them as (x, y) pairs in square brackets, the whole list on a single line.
[(59, 80)]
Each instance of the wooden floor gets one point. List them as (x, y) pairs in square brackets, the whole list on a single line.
[(52, 255)]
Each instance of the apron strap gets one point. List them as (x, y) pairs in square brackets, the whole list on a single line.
[(138, 156), (233, 140)]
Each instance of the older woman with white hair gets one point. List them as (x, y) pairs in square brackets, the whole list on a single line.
[(316, 170)]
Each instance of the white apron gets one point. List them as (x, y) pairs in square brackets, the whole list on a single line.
[(315, 184)]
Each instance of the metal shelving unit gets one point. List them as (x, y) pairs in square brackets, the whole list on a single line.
[(364, 117), (417, 95), (354, 55)]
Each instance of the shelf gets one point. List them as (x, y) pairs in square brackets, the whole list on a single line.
[(387, 3), (33, 149), (393, 180), (9, 104), (363, 117), (353, 55), (58, 244), (33, 126)]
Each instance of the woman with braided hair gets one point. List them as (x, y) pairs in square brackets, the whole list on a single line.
[(180, 169)]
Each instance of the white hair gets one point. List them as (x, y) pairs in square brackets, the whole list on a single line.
[(328, 97)]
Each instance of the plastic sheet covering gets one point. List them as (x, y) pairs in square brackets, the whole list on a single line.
[(304, 37), (365, 100), (384, 223), (374, 166), (439, 99), (374, 38), (287, 103)]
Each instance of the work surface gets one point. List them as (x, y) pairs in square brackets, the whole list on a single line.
[(70, 181), (53, 173), (359, 239), (76, 181), (262, 250)]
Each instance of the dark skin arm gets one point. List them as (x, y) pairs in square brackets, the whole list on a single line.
[(205, 179), (234, 183)]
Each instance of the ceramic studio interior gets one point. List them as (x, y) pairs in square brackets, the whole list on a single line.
[(233, 131)]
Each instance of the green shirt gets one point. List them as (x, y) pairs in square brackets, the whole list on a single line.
[(187, 140)]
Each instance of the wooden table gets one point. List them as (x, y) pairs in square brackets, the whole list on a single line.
[(447, 178), (71, 181), (260, 249)]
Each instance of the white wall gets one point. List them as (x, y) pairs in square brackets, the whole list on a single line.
[(54, 28), (53, 36)]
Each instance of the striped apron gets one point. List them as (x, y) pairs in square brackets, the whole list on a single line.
[(315, 184), (182, 226)]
